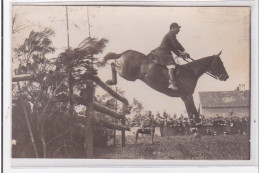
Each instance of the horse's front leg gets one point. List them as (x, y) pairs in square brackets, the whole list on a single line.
[(193, 109), (113, 81), (188, 106)]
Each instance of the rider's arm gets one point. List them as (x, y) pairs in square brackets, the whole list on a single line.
[(177, 48)]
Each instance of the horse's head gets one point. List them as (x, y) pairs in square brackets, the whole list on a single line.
[(217, 68)]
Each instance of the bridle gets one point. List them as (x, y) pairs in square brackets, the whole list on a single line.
[(214, 70), (208, 73)]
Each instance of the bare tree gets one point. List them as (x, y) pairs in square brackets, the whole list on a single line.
[(18, 27)]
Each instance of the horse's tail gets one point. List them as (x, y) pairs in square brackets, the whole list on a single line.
[(109, 56)]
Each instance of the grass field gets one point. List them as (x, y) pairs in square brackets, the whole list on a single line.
[(229, 147)]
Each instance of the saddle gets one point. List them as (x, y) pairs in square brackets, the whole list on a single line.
[(147, 123), (153, 58)]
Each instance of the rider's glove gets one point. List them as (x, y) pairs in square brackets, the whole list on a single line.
[(185, 55)]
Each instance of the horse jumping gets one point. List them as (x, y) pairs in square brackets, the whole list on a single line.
[(133, 65)]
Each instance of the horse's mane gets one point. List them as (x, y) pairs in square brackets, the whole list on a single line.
[(198, 61)]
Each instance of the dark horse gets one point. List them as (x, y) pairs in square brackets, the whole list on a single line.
[(132, 65), (148, 130)]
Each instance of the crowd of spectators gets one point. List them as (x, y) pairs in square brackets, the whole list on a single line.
[(230, 124)]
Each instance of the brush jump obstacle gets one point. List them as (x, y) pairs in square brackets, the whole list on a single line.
[(93, 106)]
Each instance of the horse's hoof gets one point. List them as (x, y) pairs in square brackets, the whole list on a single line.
[(110, 82), (197, 135)]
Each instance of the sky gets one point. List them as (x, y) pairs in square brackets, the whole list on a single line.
[(205, 31)]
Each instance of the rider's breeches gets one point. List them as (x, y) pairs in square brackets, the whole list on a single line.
[(171, 72)]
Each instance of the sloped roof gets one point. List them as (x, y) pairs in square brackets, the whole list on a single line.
[(222, 99)]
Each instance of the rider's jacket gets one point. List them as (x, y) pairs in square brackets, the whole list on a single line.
[(148, 122), (168, 44)]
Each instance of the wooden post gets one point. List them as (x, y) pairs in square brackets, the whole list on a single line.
[(89, 147), (68, 32), (88, 143), (124, 107), (88, 25), (114, 133), (114, 120)]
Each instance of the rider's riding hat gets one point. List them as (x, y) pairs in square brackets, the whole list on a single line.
[(174, 25)]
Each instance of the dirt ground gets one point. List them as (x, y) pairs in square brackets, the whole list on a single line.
[(229, 147)]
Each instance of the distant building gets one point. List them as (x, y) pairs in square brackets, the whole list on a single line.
[(224, 102)]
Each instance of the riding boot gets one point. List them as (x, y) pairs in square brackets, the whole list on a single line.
[(172, 81)]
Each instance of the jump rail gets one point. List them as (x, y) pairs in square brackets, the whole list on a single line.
[(22, 78), (98, 81)]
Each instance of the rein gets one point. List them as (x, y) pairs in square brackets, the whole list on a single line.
[(208, 73)]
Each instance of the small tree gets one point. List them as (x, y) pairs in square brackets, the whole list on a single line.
[(137, 109), (137, 106), (31, 56)]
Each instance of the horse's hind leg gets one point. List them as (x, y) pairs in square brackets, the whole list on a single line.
[(113, 81)]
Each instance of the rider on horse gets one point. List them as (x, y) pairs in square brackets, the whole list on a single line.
[(162, 54), (148, 121)]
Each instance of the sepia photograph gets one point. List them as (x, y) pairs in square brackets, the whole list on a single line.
[(131, 82)]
